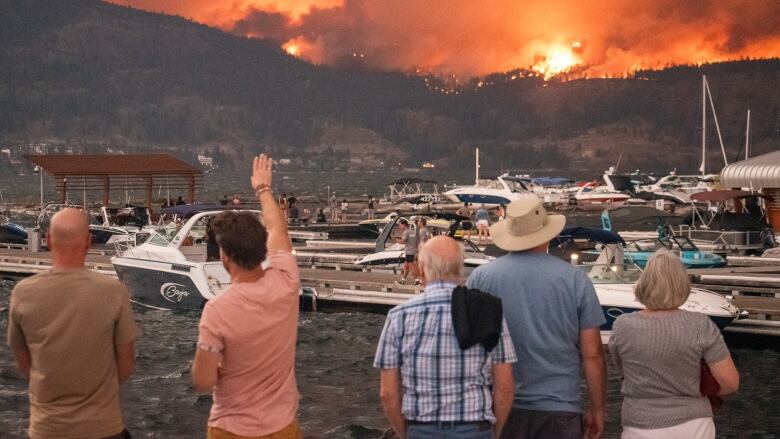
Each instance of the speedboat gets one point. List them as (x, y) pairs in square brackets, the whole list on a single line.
[(553, 190), (394, 254), (501, 190), (101, 231), (439, 222), (642, 250), (173, 274), (593, 195), (614, 280), (687, 184), (615, 291)]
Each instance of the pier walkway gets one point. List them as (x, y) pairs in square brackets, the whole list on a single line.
[(755, 285)]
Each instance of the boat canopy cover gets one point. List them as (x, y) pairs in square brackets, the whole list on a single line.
[(552, 181), (188, 210), (722, 196), (631, 214), (598, 235), (760, 172)]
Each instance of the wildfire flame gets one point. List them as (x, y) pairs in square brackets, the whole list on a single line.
[(291, 48), (475, 40), (559, 59)]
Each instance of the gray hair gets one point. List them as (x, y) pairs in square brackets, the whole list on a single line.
[(664, 285), (437, 266)]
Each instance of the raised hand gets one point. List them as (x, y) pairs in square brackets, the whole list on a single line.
[(262, 172)]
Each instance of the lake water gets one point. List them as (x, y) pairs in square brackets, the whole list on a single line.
[(339, 388)]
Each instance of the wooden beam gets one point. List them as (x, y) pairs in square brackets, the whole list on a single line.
[(106, 190), (191, 189), (149, 186)]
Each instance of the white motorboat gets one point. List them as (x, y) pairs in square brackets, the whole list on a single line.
[(394, 255), (553, 190), (615, 290), (681, 185), (501, 190), (614, 281), (173, 274), (601, 196)]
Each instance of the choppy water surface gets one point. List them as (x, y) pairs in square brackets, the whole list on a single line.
[(339, 389)]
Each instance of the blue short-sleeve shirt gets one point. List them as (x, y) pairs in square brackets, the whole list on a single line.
[(546, 304)]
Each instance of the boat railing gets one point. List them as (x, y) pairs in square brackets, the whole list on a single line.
[(737, 239)]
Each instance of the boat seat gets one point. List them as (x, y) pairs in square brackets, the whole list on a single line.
[(194, 253)]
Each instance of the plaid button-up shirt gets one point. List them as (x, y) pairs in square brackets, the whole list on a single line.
[(440, 381)]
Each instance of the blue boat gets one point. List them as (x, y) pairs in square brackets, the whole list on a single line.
[(641, 251)]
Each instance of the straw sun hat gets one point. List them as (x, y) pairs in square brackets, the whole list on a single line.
[(527, 225)]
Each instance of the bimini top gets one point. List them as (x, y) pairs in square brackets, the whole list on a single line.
[(723, 196), (761, 172)]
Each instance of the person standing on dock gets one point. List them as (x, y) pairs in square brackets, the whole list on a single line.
[(423, 235), (344, 209), (659, 351), (73, 333), (246, 344), (333, 205), (433, 383), (554, 317), (483, 223), (409, 240), (370, 207), (465, 224), (283, 206)]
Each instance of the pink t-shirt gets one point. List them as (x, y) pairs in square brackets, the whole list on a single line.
[(255, 326)]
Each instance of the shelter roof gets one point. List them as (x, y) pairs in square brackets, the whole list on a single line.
[(722, 196), (759, 172), (108, 164)]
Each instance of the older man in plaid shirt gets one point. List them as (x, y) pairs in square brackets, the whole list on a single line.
[(429, 386)]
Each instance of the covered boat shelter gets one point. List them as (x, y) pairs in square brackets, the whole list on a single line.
[(758, 173), (106, 172)]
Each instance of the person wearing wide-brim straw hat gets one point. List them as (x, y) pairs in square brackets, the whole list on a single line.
[(554, 319), (527, 225)]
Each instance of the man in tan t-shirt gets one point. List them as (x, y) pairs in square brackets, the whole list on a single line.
[(72, 332)]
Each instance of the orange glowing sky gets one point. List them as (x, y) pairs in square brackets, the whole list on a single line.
[(467, 37)]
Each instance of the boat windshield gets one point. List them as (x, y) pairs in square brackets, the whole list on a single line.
[(611, 274), (515, 186), (157, 239), (490, 184)]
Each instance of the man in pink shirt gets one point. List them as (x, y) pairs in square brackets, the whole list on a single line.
[(246, 345)]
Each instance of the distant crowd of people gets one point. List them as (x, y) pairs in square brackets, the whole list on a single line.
[(501, 356)]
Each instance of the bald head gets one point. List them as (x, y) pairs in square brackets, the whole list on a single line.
[(441, 258), (69, 230)]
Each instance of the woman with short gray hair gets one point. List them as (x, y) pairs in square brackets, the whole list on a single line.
[(659, 352)]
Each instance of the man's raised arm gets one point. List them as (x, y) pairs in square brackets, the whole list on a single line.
[(262, 172)]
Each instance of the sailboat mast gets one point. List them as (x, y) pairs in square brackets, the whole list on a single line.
[(703, 123), (747, 137), (476, 168), (717, 126)]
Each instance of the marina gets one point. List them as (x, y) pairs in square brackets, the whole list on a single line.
[(755, 289)]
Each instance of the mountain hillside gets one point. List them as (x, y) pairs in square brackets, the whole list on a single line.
[(90, 76)]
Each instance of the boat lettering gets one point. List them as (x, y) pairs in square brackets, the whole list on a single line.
[(173, 292)]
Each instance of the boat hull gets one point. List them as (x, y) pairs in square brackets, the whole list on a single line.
[(482, 199), (162, 285), (619, 299)]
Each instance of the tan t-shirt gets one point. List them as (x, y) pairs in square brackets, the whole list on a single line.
[(71, 321)]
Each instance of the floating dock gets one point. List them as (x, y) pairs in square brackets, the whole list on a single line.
[(755, 284)]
